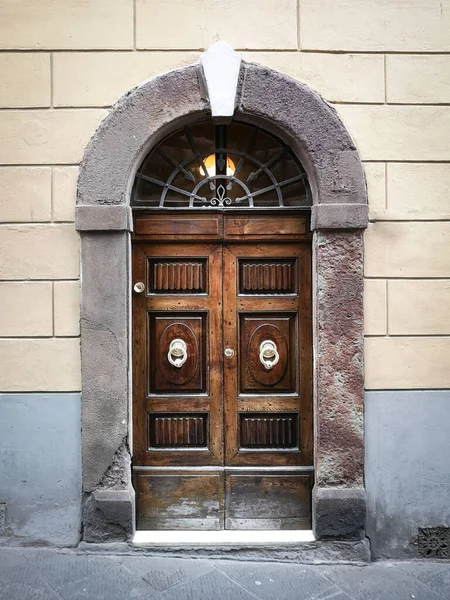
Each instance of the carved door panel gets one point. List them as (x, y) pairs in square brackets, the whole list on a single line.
[(222, 385), (177, 389), (267, 385)]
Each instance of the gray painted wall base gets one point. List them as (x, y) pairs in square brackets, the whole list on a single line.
[(407, 472), (40, 467)]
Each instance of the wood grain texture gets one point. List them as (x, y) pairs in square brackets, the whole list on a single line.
[(216, 410), (269, 431), (175, 277), (267, 277), (178, 501), (261, 501), (264, 227), (279, 329), (160, 387), (176, 431), (179, 226), (165, 328), (249, 386)]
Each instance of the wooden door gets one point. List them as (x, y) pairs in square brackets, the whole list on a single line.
[(222, 385), (267, 385)]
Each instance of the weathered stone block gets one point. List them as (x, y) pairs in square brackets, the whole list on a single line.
[(25, 194), (376, 189), (109, 516), (339, 512), (69, 24), (409, 184), (101, 78), (418, 79), (66, 302), (25, 80), (407, 250), (258, 24), (339, 377), (375, 307), (39, 252), (40, 364), (337, 77), (419, 307), (368, 25), (26, 309), (402, 132), (407, 363), (43, 137), (64, 190), (109, 511)]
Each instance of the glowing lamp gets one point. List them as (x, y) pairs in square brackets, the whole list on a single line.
[(210, 165)]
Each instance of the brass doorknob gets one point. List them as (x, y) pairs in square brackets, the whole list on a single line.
[(229, 352)]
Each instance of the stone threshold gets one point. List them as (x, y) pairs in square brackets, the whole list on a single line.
[(165, 538)]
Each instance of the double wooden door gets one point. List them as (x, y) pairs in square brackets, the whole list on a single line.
[(222, 409)]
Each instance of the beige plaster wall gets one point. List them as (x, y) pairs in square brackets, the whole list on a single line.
[(384, 65)]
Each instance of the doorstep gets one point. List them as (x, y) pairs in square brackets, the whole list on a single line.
[(297, 546), (221, 538)]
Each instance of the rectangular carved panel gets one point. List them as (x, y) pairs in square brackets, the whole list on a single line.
[(177, 226), (165, 376), (178, 501), (256, 373), (263, 501), (269, 430), (177, 430), (267, 276), (172, 276), (264, 227)]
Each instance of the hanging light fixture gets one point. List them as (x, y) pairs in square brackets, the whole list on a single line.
[(210, 166)]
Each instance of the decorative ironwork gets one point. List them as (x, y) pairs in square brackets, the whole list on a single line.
[(221, 167), (434, 542)]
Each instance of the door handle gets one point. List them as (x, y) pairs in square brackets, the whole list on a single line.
[(268, 354), (139, 287), (177, 349)]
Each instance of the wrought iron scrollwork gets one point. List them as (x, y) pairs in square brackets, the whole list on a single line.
[(221, 167)]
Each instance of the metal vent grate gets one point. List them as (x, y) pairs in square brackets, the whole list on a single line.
[(434, 542)]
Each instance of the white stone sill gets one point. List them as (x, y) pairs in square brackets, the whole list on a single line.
[(221, 538)]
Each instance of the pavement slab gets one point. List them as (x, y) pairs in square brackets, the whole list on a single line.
[(114, 584), (51, 574), (281, 581), (436, 576), (163, 573), (63, 569), (22, 580), (379, 581), (212, 586)]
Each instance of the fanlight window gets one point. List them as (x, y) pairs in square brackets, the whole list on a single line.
[(221, 167)]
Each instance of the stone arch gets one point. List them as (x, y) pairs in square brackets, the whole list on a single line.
[(339, 215)]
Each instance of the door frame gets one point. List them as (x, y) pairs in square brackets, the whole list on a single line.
[(339, 215)]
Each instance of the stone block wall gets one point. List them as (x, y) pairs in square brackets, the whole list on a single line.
[(384, 66)]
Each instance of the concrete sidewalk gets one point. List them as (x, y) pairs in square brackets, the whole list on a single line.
[(29, 574)]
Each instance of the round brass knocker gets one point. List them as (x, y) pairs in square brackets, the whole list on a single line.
[(268, 354), (177, 349)]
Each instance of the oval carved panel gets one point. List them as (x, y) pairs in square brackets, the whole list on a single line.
[(259, 372), (183, 374)]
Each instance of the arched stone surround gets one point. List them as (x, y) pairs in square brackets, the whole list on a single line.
[(339, 215)]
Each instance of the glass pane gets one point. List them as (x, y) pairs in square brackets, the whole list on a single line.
[(225, 166)]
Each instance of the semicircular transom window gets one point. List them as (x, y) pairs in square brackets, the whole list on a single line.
[(221, 167)]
